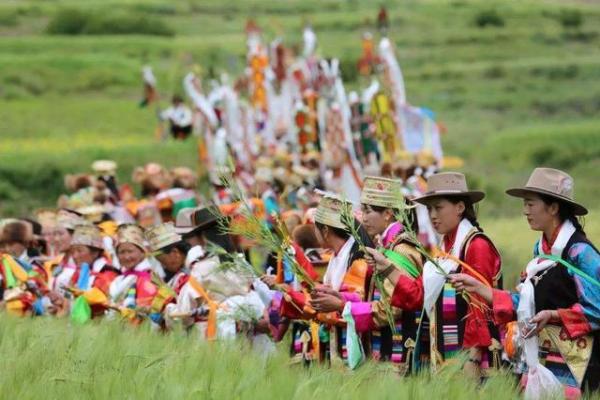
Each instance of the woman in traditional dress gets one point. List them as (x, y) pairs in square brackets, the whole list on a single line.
[(90, 268), (134, 289), (172, 252), (449, 322), (345, 280), (558, 303), (381, 202)]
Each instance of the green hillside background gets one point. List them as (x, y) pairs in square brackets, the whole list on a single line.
[(516, 83)]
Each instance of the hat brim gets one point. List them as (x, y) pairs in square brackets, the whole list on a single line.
[(201, 227), (183, 231), (522, 192), (474, 195)]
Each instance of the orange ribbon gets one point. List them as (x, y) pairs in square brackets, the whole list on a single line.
[(279, 275), (439, 253), (211, 329)]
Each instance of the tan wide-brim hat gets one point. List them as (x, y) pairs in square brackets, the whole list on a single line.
[(449, 184), (551, 182), (183, 222)]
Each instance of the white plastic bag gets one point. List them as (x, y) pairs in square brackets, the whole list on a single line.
[(541, 382)]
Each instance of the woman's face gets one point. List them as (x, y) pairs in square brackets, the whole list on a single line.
[(61, 239), (172, 261), (540, 216), (194, 240), (323, 235), (445, 215), (376, 222), (84, 254), (129, 255)]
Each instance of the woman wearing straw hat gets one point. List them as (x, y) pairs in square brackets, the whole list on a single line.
[(90, 268), (558, 304), (345, 280), (62, 234), (450, 323), (87, 250), (172, 251), (134, 287), (381, 201)]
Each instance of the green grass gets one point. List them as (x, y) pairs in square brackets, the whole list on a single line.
[(48, 358)]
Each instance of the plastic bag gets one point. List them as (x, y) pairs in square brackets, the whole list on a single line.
[(354, 347), (542, 384)]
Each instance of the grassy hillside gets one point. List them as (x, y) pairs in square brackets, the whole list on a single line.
[(513, 95)]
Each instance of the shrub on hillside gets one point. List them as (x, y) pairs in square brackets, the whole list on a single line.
[(570, 18), (489, 18), (9, 18), (348, 69), (78, 22)]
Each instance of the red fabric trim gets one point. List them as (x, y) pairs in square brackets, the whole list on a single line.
[(483, 257), (503, 310), (305, 263), (291, 309), (408, 293), (574, 321), (103, 279), (547, 246)]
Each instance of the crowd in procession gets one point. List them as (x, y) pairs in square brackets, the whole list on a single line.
[(348, 282), (327, 221)]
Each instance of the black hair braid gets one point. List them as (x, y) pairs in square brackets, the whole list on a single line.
[(470, 212), (565, 212)]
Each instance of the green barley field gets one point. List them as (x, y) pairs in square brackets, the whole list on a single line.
[(516, 83), (46, 358)]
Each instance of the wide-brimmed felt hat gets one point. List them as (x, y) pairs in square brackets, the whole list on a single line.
[(449, 184), (203, 218), (550, 182), (183, 221)]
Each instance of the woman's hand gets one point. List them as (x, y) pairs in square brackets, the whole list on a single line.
[(466, 283), (377, 260), (269, 280), (58, 303), (323, 289), (539, 321), (326, 302), (262, 326)]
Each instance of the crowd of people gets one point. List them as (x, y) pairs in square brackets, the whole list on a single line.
[(349, 282), (325, 220)]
